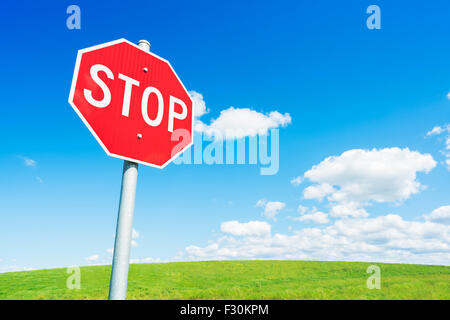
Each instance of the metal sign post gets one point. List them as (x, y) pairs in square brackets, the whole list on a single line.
[(121, 259)]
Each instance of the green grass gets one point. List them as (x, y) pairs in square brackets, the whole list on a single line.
[(238, 280)]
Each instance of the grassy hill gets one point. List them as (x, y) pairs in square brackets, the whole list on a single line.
[(237, 280)]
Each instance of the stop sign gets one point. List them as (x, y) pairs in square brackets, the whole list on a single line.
[(133, 103)]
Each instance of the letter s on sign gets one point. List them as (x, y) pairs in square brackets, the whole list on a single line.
[(95, 69)]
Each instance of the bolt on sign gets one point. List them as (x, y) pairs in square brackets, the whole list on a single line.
[(132, 101)]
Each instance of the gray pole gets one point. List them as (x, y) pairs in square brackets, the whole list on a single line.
[(119, 271)]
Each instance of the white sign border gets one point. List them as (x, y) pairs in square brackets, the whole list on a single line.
[(72, 92)]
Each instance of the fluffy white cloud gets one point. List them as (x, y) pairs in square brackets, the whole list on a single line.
[(317, 217), (296, 181), (439, 215), (235, 123), (318, 191), (386, 238), (199, 104), (271, 208), (448, 96), (313, 215), (92, 258), (358, 177), (252, 228), (348, 209)]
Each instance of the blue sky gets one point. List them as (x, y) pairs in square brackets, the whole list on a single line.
[(345, 88)]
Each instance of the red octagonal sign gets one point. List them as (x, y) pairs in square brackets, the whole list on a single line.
[(133, 103)]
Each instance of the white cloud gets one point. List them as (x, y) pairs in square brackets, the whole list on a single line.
[(318, 191), (110, 250), (438, 130), (296, 181), (439, 215), (199, 104), (252, 228), (302, 209), (312, 215), (349, 209), (317, 217), (29, 162), (16, 269), (236, 123), (358, 177), (92, 258), (271, 208), (386, 238), (145, 260), (448, 95), (134, 235)]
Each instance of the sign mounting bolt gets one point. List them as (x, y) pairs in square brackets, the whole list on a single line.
[(145, 70), (139, 136)]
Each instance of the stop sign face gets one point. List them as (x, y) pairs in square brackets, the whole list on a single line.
[(133, 103)]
